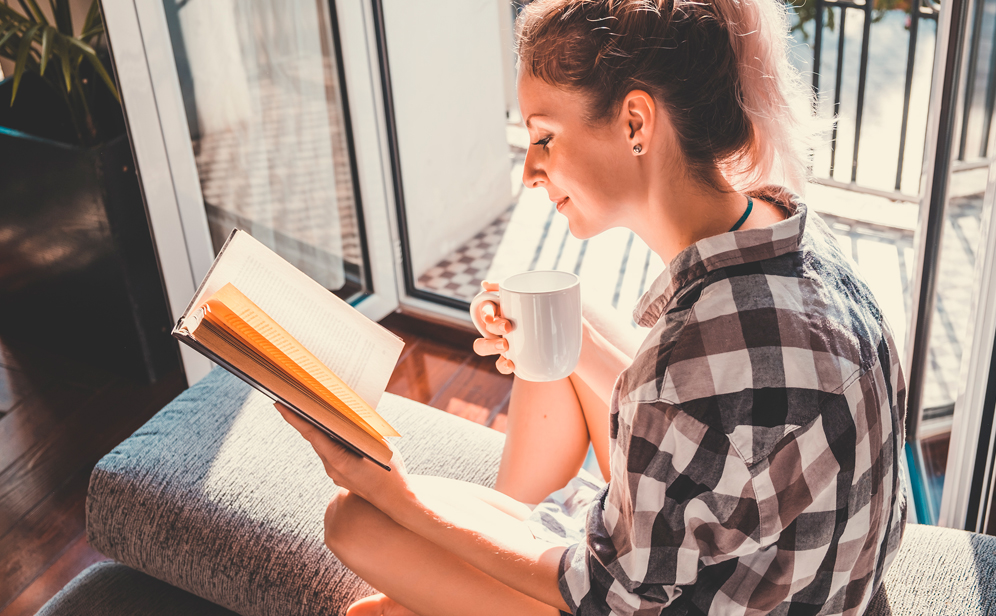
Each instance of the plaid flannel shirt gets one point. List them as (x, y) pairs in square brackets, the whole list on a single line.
[(755, 439)]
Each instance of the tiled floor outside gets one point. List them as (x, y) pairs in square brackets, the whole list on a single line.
[(284, 175)]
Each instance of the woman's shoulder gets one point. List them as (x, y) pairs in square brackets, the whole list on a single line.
[(779, 333)]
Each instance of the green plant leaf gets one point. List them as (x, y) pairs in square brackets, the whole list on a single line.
[(47, 33), (22, 59), (67, 71), (80, 45), (63, 16), (95, 31), (33, 12), (12, 15), (92, 17), (99, 66), (91, 57), (7, 36), (37, 12)]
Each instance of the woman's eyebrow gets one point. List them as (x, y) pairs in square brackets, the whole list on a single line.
[(533, 115)]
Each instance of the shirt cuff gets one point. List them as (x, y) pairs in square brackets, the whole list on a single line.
[(565, 591)]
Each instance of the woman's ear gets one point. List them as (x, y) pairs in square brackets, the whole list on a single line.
[(639, 115)]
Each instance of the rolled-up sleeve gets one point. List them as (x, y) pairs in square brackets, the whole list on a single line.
[(685, 501)]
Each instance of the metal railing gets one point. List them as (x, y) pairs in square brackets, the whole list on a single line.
[(919, 10), (978, 82), (972, 70)]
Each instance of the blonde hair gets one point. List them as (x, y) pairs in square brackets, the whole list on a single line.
[(719, 68)]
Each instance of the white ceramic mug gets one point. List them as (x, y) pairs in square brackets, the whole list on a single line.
[(544, 308)]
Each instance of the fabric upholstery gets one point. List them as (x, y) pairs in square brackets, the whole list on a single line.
[(111, 589), (217, 495), (939, 572)]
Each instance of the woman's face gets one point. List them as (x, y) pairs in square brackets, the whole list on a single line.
[(589, 172)]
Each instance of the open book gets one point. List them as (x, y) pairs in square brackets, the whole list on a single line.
[(265, 321)]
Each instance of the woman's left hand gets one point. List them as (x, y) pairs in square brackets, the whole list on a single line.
[(350, 471)]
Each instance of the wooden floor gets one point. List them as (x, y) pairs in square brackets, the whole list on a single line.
[(59, 416)]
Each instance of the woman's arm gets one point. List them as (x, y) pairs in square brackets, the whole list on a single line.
[(601, 361)]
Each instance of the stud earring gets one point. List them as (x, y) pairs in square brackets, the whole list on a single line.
[(637, 148)]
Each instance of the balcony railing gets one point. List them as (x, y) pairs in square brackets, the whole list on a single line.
[(830, 62)]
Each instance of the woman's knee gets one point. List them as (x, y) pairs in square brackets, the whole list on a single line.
[(342, 516), (614, 325)]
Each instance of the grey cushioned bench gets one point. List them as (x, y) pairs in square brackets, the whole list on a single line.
[(938, 572), (217, 496), (112, 589)]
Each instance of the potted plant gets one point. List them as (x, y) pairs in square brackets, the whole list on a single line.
[(35, 45), (78, 270)]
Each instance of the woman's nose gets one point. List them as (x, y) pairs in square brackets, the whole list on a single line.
[(532, 176)]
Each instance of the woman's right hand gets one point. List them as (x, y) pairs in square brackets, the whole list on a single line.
[(489, 312)]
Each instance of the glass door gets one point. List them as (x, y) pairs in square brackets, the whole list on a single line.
[(263, 100), (241, 119), (459, 147), (903, 183)]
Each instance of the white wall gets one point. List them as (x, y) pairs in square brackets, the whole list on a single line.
[(449, 102), (506, 23)]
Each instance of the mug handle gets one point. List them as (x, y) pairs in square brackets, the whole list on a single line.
[(481, 297)]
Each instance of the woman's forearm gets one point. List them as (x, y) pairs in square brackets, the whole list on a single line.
[(516, 559), (600, 363)]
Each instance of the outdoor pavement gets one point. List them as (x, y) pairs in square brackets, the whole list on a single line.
[(284, 175)]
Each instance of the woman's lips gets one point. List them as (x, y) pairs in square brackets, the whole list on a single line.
[(561, 202)]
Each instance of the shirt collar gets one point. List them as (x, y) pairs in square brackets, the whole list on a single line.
[(723, 250)]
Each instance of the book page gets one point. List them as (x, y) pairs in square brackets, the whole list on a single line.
[(256, 374), (265, 335), (358, 350)]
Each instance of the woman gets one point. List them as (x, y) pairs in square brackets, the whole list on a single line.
[(750, 445)]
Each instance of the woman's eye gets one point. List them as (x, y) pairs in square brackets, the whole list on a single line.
[(543, 142)]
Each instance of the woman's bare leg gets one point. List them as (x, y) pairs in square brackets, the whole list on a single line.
[(549, 428), (551, 424), (596, 418), (416, 573)]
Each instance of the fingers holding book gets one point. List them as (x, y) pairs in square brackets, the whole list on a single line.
[(347, 469)]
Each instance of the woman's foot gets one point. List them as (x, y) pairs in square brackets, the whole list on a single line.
[(378, 605)]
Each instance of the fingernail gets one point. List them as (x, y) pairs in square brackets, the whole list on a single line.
[(500, 345)]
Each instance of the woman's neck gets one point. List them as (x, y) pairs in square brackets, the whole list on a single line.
[(678, 214)]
